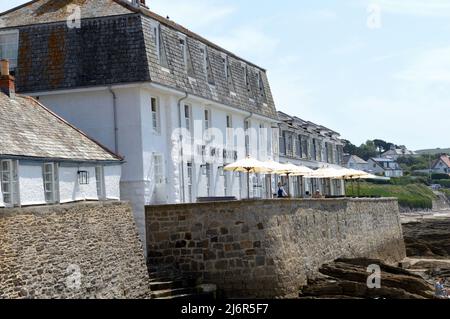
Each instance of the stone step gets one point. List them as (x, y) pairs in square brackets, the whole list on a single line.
[(171, 284), (172, 293)]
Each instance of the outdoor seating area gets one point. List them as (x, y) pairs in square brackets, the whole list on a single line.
[(250, 165)]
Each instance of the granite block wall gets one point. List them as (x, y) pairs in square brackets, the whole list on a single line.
[(73, 251), (268, 248)]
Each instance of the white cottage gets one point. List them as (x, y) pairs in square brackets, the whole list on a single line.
[(45, 160)]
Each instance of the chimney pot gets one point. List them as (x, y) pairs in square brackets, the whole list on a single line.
[(7, 84)]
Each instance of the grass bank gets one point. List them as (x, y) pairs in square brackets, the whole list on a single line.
[(412, 196)]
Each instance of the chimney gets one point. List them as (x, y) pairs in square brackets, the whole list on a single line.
[(7, 84)]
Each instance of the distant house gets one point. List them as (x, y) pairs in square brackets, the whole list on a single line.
[(385, 166), (394, 153), (44, 160), (355, 162), (441, 165)]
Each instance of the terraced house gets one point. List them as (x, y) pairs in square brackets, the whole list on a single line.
[(305, 143), (129, 78)]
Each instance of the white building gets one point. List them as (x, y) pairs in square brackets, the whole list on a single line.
[(305, 143), (386, 167), (131, 79), (441, 165), (356, 162), (45, 160)]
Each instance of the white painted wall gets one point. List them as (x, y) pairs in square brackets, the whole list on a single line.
[(112, 181), (31, 184), (91, 112), (69, 188)]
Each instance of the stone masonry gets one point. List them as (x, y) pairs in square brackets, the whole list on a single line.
[(75, 251), (268, 248)]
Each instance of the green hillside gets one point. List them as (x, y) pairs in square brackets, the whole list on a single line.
[(435, 151), (414, 196)]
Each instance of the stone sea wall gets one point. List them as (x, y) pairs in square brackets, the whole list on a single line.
[(268, 248), (83, 250)]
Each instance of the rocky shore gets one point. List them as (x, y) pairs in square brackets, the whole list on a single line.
[(427, 240)]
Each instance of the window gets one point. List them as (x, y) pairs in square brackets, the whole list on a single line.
[(262, 90), (283, 143), (247, 80), (156, 122), (228, 75), (190, 181), (158, 169), (298, 146), (207, 66), (183, 52), (187, 117), (50, 183), (160, 47), (247, 137), (9, 46), (10, 182), (83, 177), (229, 130), (207, 120), (100, 182), (304, 146)]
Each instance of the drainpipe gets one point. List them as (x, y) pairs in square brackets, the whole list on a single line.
[(116, 129), (183, 195)]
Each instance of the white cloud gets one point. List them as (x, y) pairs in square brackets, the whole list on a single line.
[(194, 14), (423, 8), (428, 67)]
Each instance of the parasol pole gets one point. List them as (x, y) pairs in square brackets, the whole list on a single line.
[(248, 182)]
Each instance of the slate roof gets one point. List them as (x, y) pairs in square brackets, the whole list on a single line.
[(116, 45), (298, 123), (444, 158), (356, 159), (29, 129)]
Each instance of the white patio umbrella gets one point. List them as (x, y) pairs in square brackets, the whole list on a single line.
[(328, 172), (248, 165), (353, 174), (290, 169)]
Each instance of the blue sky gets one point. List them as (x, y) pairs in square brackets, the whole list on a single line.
[(365, 68)]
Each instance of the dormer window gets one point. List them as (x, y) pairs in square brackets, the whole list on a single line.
[(183, 52), (9, 47), (228, 75), (262, 91), (160, 47), (207, 66)]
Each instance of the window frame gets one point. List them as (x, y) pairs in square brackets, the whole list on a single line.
[(13, 63), (156, 115), (13, 182), (158, 168), (54, 182)]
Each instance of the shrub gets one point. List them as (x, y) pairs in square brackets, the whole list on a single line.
[(437, 176), (443, 182)]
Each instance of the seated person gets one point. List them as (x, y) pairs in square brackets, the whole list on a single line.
[(317, 194)]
